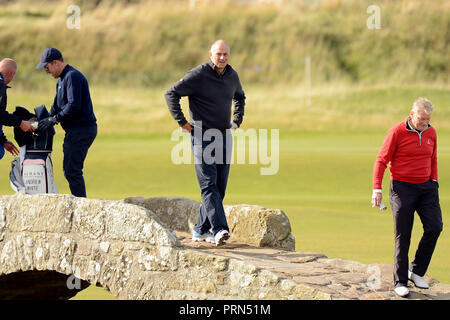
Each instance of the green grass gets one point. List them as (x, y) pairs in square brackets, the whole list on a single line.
[(140, 111), (324, 182)]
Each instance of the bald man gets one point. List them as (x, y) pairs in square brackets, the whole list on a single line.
[(8, 69), (211, 88)]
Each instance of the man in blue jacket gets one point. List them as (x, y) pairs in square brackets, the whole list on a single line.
[(211, 87), (72, 107)]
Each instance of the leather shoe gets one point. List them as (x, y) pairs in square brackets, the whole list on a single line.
[(401, 290), (418, 280)]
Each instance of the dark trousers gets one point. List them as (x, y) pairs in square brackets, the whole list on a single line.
[(212, 167), (2, 145), (75, 148), (405, 199)]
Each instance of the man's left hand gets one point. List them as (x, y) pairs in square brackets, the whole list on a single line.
[(46, 123)]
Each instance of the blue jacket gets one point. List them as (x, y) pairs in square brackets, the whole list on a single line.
[(72, 105), (6, 119)]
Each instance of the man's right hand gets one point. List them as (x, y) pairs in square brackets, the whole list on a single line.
[(377, 198), (187, 127), (26, 126)]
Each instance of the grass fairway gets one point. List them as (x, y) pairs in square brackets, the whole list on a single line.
[(324, 182)]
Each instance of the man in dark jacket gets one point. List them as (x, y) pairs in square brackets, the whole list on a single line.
[(211, 88), (8, 69), (72, 107)]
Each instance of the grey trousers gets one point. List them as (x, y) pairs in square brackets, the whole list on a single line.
[(405, 199)]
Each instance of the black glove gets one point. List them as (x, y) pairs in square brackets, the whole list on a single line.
[(46, 123)]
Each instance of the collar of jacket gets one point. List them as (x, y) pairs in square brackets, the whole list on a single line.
[(211, 64), (2, 78), (410, 128), (65, 70)]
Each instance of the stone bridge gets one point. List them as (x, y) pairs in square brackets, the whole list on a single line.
[(52, 246)]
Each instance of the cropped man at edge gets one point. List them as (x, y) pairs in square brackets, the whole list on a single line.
[(211, 88), (72, 107), (8, 69), (411, 149)]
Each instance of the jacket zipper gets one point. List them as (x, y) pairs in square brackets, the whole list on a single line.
[(420, 134)]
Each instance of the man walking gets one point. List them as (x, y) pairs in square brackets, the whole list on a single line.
[(411, 149), (211, 88), (8, 69), (72, 107)]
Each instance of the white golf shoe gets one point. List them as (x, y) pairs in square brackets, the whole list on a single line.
[(208, 237), (418, 280), (401, 290), (221, 237)]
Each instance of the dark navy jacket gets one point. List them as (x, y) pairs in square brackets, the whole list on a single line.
[(72, 105), (210, 97), (6, 119)]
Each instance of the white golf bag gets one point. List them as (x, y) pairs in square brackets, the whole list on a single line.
[(32, 172)]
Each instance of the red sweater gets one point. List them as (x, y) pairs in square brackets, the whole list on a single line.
[(412, 156)]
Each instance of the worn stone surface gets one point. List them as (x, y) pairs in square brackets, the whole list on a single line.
[(314, 276), (129, 251), (254, 225)]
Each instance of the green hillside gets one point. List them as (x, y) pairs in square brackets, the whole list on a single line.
[(152, 42)]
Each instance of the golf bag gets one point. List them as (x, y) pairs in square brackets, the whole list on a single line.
[(32, 172)]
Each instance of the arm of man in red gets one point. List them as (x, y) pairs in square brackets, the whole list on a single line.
[(385, 155), (434, 168)]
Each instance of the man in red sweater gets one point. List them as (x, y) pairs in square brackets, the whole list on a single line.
[(411, 149)]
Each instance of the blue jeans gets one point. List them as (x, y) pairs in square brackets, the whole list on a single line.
[(212, 167), (75, 148)]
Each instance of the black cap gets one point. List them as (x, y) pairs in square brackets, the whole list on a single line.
[(47, 56)]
